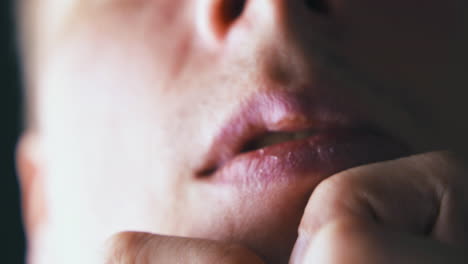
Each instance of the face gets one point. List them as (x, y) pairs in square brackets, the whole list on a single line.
[(217, 119)]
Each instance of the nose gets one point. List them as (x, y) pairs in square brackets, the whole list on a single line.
[(216, 18)]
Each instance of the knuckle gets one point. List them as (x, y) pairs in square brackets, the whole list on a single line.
[(444, 169), (332, 188), (332, 199), (336, 192), (443, 165)]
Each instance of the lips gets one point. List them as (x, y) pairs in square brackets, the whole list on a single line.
[(282, 138)]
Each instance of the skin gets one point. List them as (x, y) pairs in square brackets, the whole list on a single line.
[(125, 97)]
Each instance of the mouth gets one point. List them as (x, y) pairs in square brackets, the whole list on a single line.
[(272, 138), (269, 143), (279, 157)]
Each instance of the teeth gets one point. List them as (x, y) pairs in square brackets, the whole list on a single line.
[(303, 135), (278, 137), (274, 138)]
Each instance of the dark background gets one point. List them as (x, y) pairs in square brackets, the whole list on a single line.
[(11, 233)]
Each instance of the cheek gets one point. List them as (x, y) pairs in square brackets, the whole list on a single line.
[(102, 135), (105, 119), (112, 70)]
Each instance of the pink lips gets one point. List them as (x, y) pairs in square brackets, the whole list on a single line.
[(341, 139), (316, 157)]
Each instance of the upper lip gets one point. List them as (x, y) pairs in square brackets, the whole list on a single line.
[(283, 115)]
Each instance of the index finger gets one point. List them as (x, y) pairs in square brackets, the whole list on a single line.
[(421, 195)]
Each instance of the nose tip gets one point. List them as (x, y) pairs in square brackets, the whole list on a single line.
[(216, 17)]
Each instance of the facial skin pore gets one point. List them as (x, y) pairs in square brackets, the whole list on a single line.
[(127, 97)]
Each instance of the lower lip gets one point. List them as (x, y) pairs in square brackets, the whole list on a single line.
[(314, 158)]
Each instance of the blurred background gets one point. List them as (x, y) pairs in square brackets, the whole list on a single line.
[(12, 236)]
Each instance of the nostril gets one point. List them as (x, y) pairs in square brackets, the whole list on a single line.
[(231, 10), (223, 14), (319, 6), (214, 18)]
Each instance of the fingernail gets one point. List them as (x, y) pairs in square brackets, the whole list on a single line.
[(300, 249)]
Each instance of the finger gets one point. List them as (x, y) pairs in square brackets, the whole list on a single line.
[(350, 242), (422, 195), (146, 248)]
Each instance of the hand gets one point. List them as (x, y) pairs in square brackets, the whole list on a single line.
[(411, 210), (145, 248)]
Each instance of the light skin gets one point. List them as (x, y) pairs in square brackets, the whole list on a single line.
[(126, 97)]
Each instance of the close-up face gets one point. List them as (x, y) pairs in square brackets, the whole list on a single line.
[(217, 118)]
